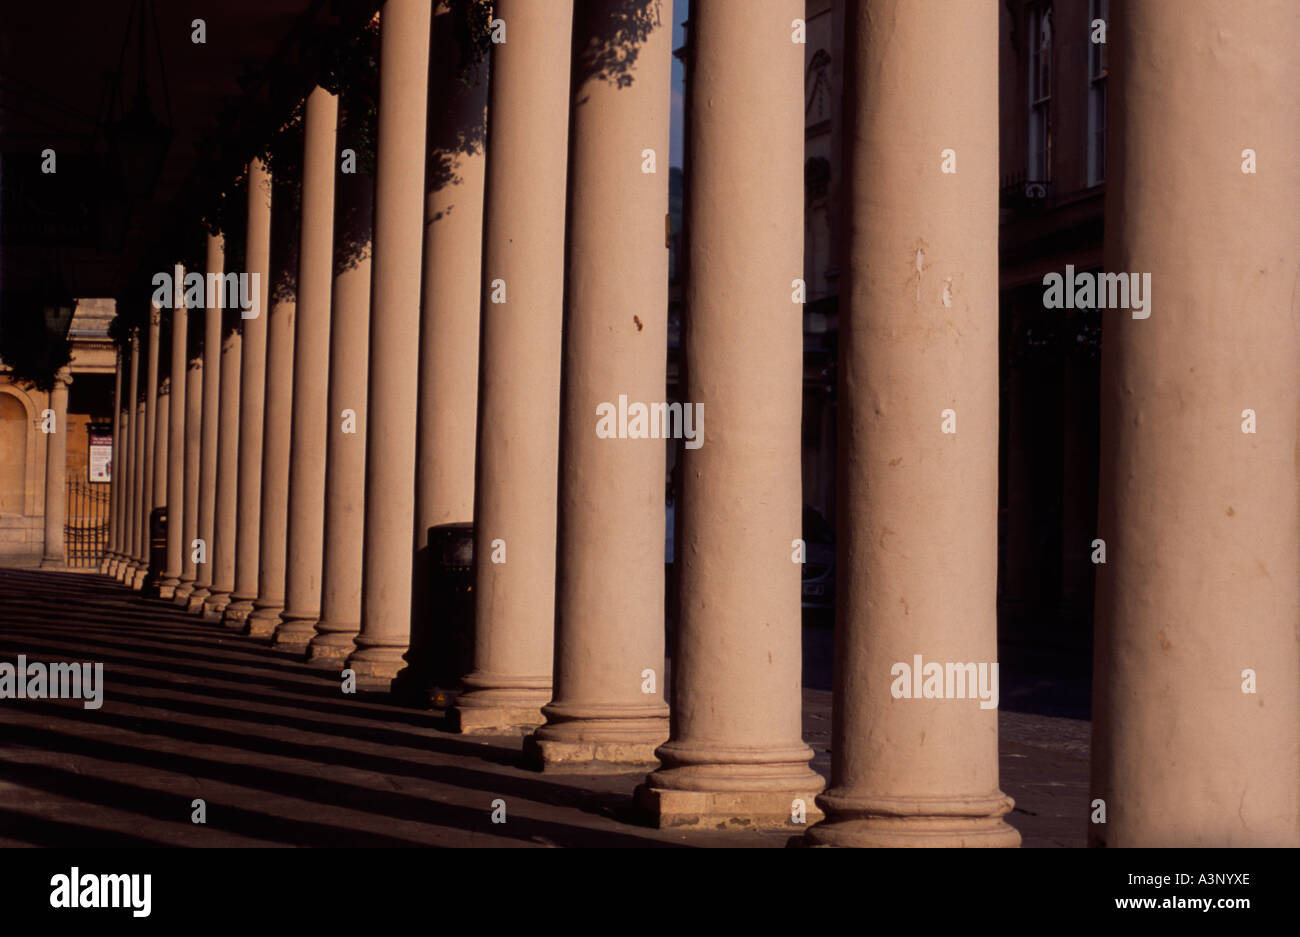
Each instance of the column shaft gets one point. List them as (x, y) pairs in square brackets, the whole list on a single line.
[(225, 519), (54, 554), (211, 419), (1196, 688), (917, 569), (277, 422), (193, 438), (149, 463), (608, 710), (736, 755), (519, 371), (132, 465), (394, 341), (176, 443), (449, 314), (306, 528), (131, 576), (115, 465), (252, 399), (345, 463)]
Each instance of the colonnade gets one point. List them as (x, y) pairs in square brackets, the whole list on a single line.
[(510, 288)]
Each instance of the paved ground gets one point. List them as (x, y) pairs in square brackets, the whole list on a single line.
[(281, 757)]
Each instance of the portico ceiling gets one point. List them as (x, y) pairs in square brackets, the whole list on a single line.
[(56, 66)]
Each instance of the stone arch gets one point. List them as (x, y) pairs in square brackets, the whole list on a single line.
[(20, 453)]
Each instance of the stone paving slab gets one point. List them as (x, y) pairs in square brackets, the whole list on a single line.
[(282, 757)]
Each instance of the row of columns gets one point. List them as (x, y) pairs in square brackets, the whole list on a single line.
[(430, 349)]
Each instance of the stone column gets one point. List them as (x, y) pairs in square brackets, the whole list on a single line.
[(225, 519), (277, 427), (394, 341), (55, 554), (211, 418), (132, 466), (736, 756), (176, 444), (193, 437), (608, 713), (345, 463), (311, 345), (1196, 694), (137, 468), (161, 451), (519, 371), (252, 398), (149, 463), (115, 487), (449, 314), (917, 570)]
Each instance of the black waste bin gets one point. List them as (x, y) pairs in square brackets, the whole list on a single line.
[(157, 549), (442, 621)]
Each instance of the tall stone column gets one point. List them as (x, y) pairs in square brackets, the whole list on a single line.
[(345, 463), (311, 345), (137, 470), (277, 427), (176, 444), (211, 419), (225, 519), (607, 712), (252, 399), (736, 754), (161, 466), (54, 554), (190, 497), (131, 474), (449, 314), (115, 464), (917, 569), (148, 500), (519, 371), (394, 341), (1196, 693)]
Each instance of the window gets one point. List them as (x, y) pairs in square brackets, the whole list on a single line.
[(1098, 61), (1040, 92)]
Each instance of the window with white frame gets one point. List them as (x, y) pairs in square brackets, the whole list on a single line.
[(1098, 62), (1040, 92)]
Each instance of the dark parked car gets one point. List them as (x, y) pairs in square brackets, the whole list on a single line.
[(819, 560)]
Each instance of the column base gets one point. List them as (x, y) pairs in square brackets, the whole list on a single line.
[(263, 619), (556, 757), (727, 810), (330, 649), (138, 576), (295, 631), (236, 613), (498, 704), (119, 571), (214, 607), (905, 822), (53, 562), (596, 739), (182, 594), (195, 600), (375, 664), (704, 786), (167, 588), (108, 565)]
